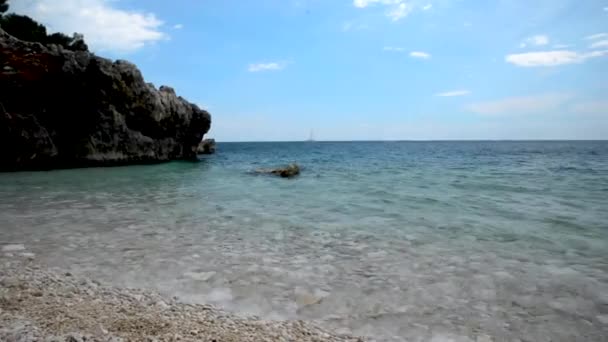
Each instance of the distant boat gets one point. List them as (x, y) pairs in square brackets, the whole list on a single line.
[(311, 137)]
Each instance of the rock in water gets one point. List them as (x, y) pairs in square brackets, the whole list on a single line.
[(206, 146), (289, 171), (60, 108)]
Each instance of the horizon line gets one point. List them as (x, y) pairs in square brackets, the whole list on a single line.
[(414, 140)]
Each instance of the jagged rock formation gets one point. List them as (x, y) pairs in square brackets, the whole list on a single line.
[(60, 108), (207, 146)]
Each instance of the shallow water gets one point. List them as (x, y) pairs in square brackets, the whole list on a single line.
[(401, 241)]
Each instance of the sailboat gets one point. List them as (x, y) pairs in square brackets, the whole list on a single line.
[(311, 138)]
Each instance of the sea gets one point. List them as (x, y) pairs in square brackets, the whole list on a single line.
[(394, 241)]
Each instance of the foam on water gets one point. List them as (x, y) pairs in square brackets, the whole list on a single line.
[(399, 241)]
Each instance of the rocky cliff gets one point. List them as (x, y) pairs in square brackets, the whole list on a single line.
[(60, 108)]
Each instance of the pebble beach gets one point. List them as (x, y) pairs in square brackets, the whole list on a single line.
[(43, 304)]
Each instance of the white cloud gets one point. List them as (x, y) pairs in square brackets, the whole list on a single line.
[(552, 58), (399, 12), (352, 26), (178, 26), (521, 105), (105, 27), (599, 44), (599, 53), (365, 3), (561, 46), (537, 40), (605, 9), (398, 9), (272, 66), (597, 36), (393, 48), (452, 93), (420, 54), (591, 107), (427, 7)]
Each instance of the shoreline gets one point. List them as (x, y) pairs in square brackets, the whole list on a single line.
[(43, 304)]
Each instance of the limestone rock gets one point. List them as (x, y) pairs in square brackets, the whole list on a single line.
[(288, 171), (61, 108), (206, 146)]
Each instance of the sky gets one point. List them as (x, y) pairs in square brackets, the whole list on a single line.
[(273, 70)]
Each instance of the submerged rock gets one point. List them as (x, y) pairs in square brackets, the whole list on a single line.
[(304, 297), (60, 108), (206, 146), (288, 171)]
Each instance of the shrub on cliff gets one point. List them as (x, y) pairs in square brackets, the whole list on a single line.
[(3, 6), (75, 43), (23, 27), (26, 28)]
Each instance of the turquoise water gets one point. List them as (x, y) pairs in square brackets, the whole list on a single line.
[(400, 241)]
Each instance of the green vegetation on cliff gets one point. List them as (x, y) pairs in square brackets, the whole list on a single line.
[(3, 6), (27, 29)]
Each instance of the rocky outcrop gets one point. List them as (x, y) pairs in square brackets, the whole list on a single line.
[(206, 146), (288, 171), (60, 108)]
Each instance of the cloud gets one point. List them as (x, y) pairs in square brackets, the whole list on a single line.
[(552, 58), (393, 48), (352, 26), (591, 107), (272, 66), (597, 36), (599, 44), (105, 27), (178, 26), (365, 3), (452, 93), (399, 12), (397, 9), (537, 40), (427, 7), (561, 46), (520, 105), (420, 54)]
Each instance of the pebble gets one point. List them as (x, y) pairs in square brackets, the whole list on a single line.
[(101, 330), (161, 304)]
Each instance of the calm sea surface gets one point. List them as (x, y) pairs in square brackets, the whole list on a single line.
[(400, 241)]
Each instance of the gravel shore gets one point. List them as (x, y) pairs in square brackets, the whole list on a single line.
[(40, 304)]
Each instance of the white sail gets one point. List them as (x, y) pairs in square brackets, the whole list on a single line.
[(312, 137)]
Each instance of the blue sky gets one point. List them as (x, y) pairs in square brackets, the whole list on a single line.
[(363, 69)]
